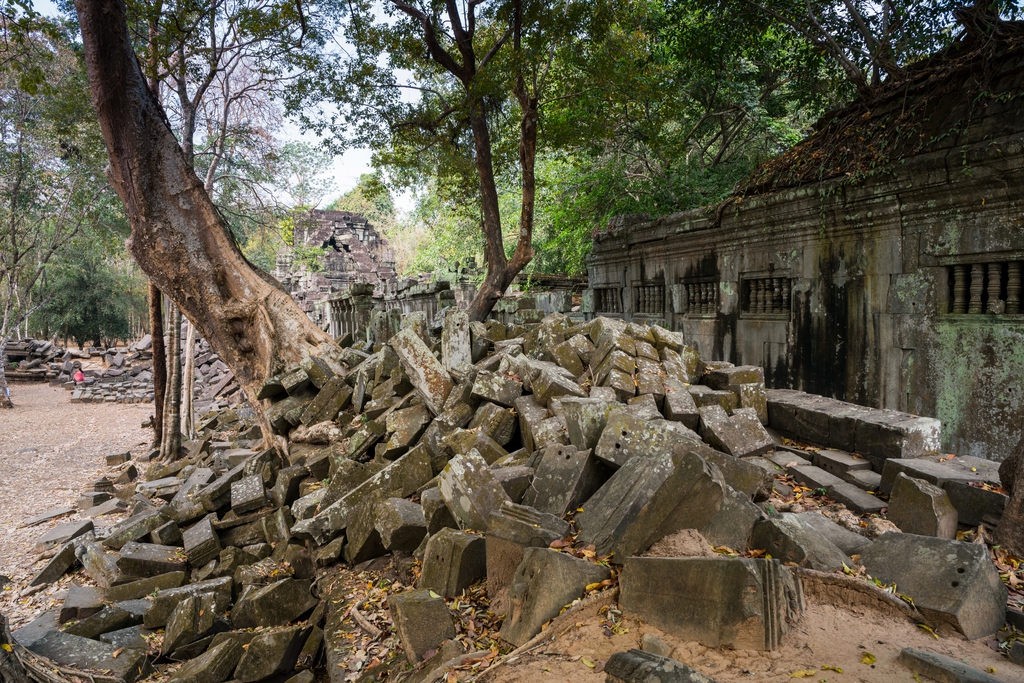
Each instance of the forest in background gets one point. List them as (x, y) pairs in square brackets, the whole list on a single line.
[(641, 106)]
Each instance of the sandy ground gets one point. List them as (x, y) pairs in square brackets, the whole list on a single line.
[(51, 451), (826, 636)]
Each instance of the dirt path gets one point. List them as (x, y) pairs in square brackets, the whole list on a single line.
[(51, 451)]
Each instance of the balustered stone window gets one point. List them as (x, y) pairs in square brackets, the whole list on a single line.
[(766, 296), (607, 300), (977, 288), (698, 298), (649, 299)]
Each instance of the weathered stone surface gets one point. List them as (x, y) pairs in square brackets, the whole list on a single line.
[(942, 668), (165, 601), (134, 528), (704, 397), (191, 620), (847, 541), (85, 653), (213, 666), (202, 543), (62, 533), (962, 468), (436, 512), (470, 490), (724, 378), (585, 419), (332, 397), (549, 385), (736, 603), (107, 619), (218, 493), (789, 538), (638, 666), (746, 477), (274, 605), (149, 559), (566, 356), (531, 415), (401, 524), (510, 531), (949, 581), (363, 538), (515, 480), (855, 498), (427, 375), (405, 427), (452, 561), (422, 621), (456, 349), (625, 437), (564, 478), (168, 533), (813, 477), (144, 587), (917, 507), (688, 498), (52, 513), (975, 505), (497, 422), (248, 494), (271, 653), (131, 637), (56, 566), (740, 434), (734, 521), (545, 581), (613, 509), (497, 388), (99, 565)]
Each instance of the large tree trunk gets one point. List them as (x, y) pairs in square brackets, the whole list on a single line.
[(1010, 532), (5, 391), (156, 331), (178, 237)]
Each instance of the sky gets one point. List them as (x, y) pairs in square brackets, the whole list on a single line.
[(345, 169)]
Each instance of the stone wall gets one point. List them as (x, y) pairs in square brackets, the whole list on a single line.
[(901, 292)]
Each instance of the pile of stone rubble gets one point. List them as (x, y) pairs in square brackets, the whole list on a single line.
[(126, 376), (31, 359), (553, 464)]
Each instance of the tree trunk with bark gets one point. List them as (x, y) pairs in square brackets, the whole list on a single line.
[(170, 448), (188, 386), (178, 237), (1010, 532), (156, 331)]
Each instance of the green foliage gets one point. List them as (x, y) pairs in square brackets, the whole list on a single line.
[(370, 198), (94, 297)]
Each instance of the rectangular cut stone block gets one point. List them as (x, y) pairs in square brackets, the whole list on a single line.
[(585, 419), (453, 560), (422, 621), (625, 437), (165, 601), (740, 434), (544, 583), (56, 566), (639, 666), (722, 378), (62, 533), (839, 462), (134, 528), (679, 404), (470, 490), (615, 506), (510, 531), (742, 604), (149, 559), (328, 402), (401, 524), (564, 478), (202, 543), (248, 494), (855, 498), (975, 505), (531, 415), (496, 388), (813, 477), (85, 653), (949, 581), (273, 605), (144, 587), (456, 349), (427, 375), (937, 473)]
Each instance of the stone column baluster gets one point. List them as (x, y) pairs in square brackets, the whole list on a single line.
[(776, 306), (785, 295), (960, 287), (759, 296), (995, 285), (1013, 287), (977, 286), (691, 298), (659, 301), (703, 297)]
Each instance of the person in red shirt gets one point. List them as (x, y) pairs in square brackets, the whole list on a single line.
[(79, 376)]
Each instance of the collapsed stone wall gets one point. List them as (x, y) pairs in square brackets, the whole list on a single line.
[(900, 291)]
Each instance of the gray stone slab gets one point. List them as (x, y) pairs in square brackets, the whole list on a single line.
[(85, 653), (422, 621), (740, 434), (950, 581), (919, 507), (470, 490), (737, 603), (273, 605), (52, 513), (847, 541), (426, 373), (149, 559), (564, 478), (789, 538), (201, 542), (401, 524), (813, 477), (855, 498), (638, 666), (135, 528), (934, 472), (866, 480), (271, 653), (62, 533), (942, 668), (165, 601), (56, 566), (131, 637), (248, 494), (453, 560), (510, 531), (545, 581), (144, 587), (110, 618), (213, 666), (975, 505)]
